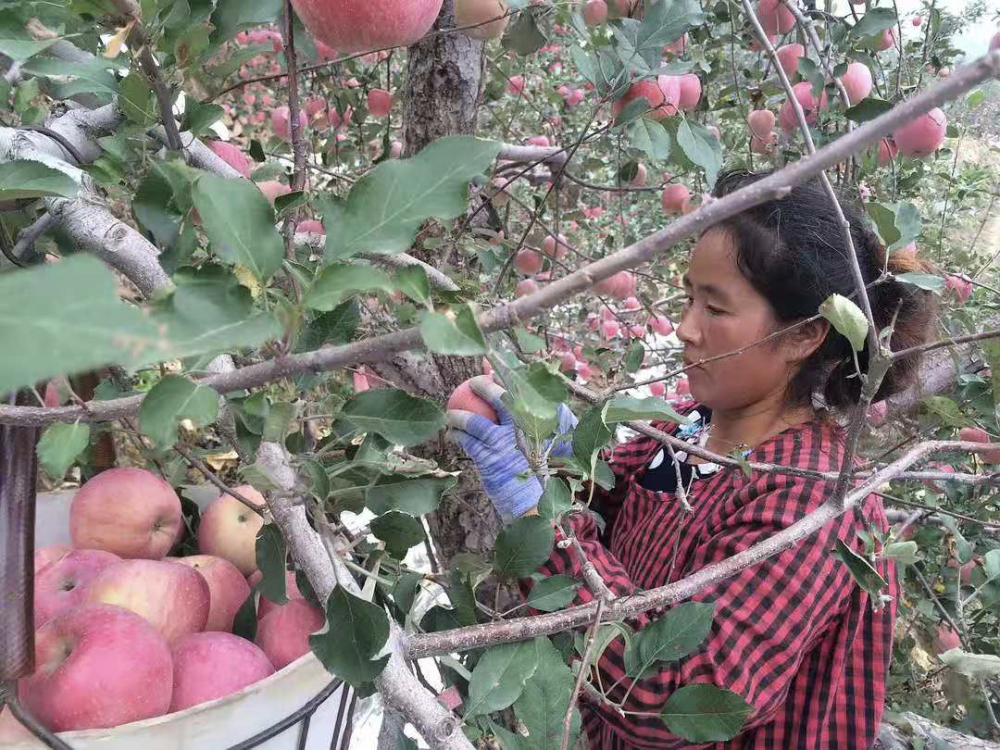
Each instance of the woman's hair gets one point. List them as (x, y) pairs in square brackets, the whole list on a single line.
[(793, 251)]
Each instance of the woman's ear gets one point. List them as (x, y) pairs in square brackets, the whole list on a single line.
[(805, 340)]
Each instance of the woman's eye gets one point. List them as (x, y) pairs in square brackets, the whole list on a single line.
[(715, 310)]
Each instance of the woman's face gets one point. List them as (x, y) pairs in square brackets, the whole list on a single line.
[(723, 313)]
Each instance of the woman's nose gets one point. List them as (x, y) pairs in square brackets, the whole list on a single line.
[(687, 331)]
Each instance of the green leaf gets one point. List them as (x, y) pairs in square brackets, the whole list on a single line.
[(701, 148), (171, 401), (333, 282), (528, 342), (902, 552), (705, 713), (971, 665), (15, 40), (673, 636), (862, 571), (556, 499), (59, 446), (387, 206), (198, 117), (591, 435), (524, 36), (847, 318), (85, 76), (356, 631), (634, 355), (873, 22), (339, 326), (523, 546), (136, 100), (240, 223), (946, 410), (922, 281), (412, 281), (278, 421), (397, 416), (231, 16), (630, 408), (413, 495), (271, 554), (245, 620), (23, 178), (545, 699), (456, 333), (553, 593), (533, 396), (991, 564), (991, 351), (650, 136), (499, 677), (399, 531), (868, 109)]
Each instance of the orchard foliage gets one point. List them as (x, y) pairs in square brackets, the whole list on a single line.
[(647, 101)]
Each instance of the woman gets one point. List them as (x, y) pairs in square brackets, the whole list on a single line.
[(794, 635)]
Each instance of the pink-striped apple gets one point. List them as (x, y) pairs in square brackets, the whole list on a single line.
[(173, 598), (464, 398), (227, 588), (485, 19), (97, 666), (50, 554), (130, 512), (61, 585), (284, 633), (208, 666), (362, 25), (228, 529)]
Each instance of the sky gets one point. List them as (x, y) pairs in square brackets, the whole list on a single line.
[(973, 41)]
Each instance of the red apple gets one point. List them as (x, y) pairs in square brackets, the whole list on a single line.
[(227, 587), (553, 247), (673, 198), (174, 598), (568, 362), (775, 17), (886, 151), (811, 105), (886, 40), (922, 135), (539, 140), (379, 103), (228, 529), (231, 154), (595, 12), (761, 122), (525, 287), (97, 666), (362, 25), (486, 19), (661, 325), (528, 262), (916, 21), (945, 638), (657, 388), (788, 58), (515, 85), (281, 123), (212, 665), (651, 91), (857, 82), (130, 512), (690, 91), (265, 606), (640, 176), (310, 226), (47, 555), (272, 189), (976, 435), (62, 584), (284, 633), (464, 398)]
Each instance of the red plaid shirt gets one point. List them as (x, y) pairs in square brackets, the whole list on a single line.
[(794, 635)]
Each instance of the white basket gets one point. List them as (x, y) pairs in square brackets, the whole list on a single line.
[(231, 722)]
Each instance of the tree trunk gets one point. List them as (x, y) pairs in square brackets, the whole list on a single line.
[(443, 87)]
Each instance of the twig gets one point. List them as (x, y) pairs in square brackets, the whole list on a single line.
[(163, 98), (595, 584), (211, 477), (27, 236), (591, 640)]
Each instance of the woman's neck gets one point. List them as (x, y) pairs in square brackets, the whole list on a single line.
[(752, 425)]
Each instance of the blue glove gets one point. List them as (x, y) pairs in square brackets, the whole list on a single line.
[(503, 468)]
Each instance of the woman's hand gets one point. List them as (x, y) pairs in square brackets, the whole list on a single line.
[(506, 476)]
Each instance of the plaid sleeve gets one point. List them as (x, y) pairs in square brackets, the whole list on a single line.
[(767, 617)]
